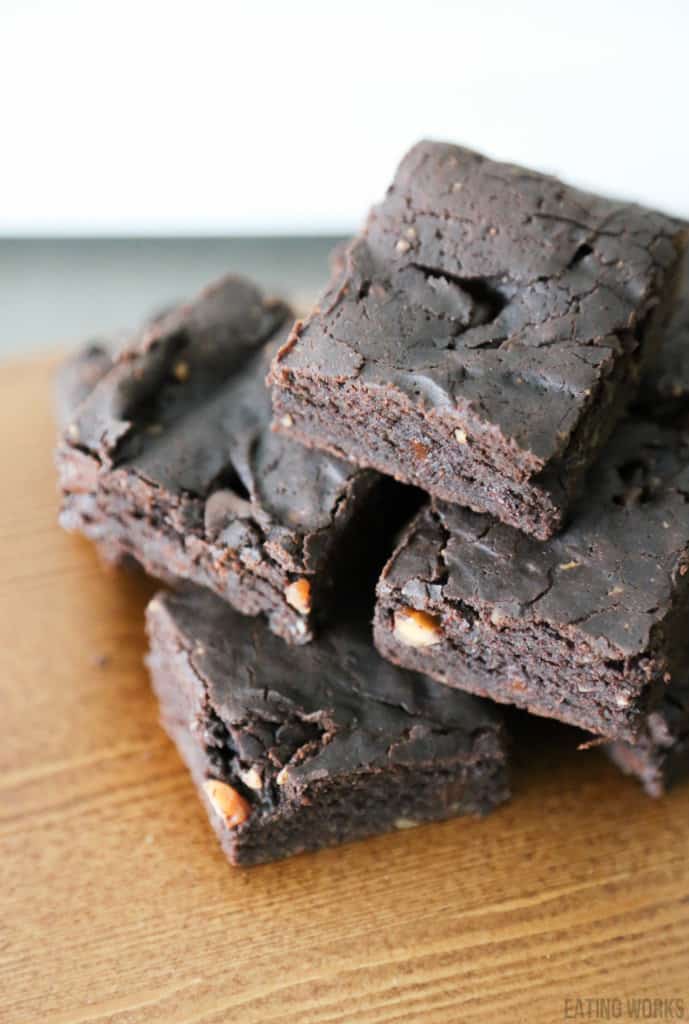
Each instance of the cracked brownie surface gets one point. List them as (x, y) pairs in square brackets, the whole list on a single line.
[(170, 459), (315, 745), (588, 627), (489, 324)]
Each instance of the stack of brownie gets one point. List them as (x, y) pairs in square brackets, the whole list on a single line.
[(512, 347)]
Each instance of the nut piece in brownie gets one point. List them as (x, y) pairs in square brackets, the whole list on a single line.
[(485, 334), (659, 758), (297, 749), (171, 460), (588, 627)]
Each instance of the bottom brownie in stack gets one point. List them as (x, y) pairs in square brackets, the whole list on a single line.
[(299, 748)]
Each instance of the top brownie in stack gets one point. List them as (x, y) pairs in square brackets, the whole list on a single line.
[(170, 460), (484, 335)]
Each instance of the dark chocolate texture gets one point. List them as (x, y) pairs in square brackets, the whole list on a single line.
[(171, 461), (484, 335), (589, 627), (318, 744)]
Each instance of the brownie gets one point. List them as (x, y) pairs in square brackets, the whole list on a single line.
[(588, 627), (483, 335), (666, 387), (297, 749), (171, 461), (659, 757)]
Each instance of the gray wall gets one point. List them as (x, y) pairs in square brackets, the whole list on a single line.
[(57, 291)]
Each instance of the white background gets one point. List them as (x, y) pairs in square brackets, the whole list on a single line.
[(156, 116)]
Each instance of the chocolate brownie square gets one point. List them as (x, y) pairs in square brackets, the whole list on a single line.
[(297, 749), (589, 627), (170, 460), (485, 334)]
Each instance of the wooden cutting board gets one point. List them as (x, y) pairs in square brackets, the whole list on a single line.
[(116, 904)]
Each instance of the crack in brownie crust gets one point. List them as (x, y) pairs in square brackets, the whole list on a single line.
[(489, 326), (589, 627), (320, 744)]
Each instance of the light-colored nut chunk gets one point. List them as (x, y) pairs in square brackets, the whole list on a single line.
[(298, 595), (181, 370), (460, 436), (227, 803), (417, 629), (252, 778), (498, 618)]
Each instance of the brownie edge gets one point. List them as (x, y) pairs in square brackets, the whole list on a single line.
[(167, 459)]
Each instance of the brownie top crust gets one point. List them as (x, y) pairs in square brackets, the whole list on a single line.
[(184, 411), (336, 704), (611, 575), (173, 364), (486, 290)]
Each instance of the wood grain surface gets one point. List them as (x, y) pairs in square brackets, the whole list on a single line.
[(116, 904)]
